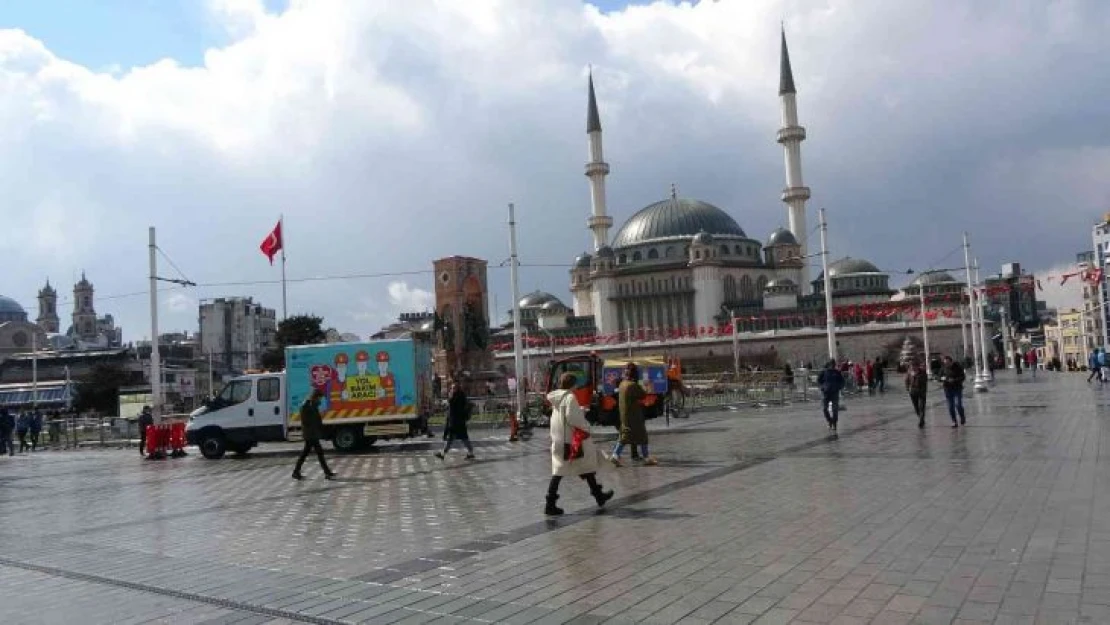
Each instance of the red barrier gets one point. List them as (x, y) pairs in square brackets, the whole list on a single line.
[(177, 440), (151, 440)]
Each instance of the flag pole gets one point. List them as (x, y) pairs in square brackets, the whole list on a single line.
[(284, 310)]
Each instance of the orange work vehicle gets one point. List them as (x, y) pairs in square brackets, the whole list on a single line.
[(598, 380)]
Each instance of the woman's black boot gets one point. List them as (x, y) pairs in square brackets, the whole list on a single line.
[(552, 509)]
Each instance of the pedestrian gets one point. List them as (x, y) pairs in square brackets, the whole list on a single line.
[(831, 383), (953, 379), (858, 374), (633, 427), (22, 427), (917, 384), (312, 426), (146, 419), (788, 376), (572, 447), (7, 426), (1101, 364), (1031, 362), (36, 429), (458, 413), (1017, 362)]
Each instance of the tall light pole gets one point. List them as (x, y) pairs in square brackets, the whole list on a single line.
[(514, 279), (830, 319), (924, 321), (155, 357), (984, 377), (972, 306)]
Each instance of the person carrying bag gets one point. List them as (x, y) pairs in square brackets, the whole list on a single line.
[(573, 452)]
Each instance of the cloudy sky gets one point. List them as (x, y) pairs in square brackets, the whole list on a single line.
[(391, 133)]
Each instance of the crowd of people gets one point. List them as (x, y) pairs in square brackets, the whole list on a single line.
[(25, 427)]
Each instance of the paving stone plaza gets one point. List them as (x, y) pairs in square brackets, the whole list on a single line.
[(754, 516)]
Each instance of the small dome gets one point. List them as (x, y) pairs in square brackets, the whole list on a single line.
[(781, 236), (553, 306), (781, 283), (583, 261), (849, 266), (536, 299), (673, 218), (703, 238), (606, 252), (930, 278), (10, 310)]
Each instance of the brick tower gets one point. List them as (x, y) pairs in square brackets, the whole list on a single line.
[(462, 303)]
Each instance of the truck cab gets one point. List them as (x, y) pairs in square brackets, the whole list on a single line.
[(250, 409)]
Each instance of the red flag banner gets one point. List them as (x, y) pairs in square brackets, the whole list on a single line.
[(271, 245)]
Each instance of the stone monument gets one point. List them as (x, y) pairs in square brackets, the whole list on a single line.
[(462, 329)]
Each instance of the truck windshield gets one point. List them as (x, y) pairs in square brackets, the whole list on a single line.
[(234, 392)]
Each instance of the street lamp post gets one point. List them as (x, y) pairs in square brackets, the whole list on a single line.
[(830, 320), (984, 376), (924, 322)]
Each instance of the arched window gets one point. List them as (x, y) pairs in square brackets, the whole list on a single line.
[(739, 250), (761, 285), (697, 255), (637, 256), (623, 259), (747, 293), (669, 253), (724, 250), (730, 288), (653, 254), (686, 252)]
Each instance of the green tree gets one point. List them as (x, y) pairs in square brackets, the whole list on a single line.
[(295, 330), (99, 389)]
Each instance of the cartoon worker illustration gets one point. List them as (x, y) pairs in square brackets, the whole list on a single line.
[(362, 361), (339, 383), (386, 384)]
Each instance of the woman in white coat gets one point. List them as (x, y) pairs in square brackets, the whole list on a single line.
[(567, 457)]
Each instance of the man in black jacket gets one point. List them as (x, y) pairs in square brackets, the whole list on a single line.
[(312, 426), (952, 375), (831, 382)]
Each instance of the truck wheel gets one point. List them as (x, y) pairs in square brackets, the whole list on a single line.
[(347, 439), (212, 446)]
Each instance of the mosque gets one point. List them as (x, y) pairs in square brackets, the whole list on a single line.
[(86, 331), (683, 263)]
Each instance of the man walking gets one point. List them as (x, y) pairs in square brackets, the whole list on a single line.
[(458, 413), (831, 382), (1093, 366), (917, 383), (953, 379), (312, 426)]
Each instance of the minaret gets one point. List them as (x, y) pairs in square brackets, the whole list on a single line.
[(48, 309), (84, 315), (596, 170), (791, 136)]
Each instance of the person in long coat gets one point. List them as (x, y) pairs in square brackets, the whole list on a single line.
[(633, 426), (568, 459), (312, 428), (458, 413)]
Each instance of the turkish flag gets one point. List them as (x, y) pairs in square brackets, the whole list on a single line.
[(271, 245)]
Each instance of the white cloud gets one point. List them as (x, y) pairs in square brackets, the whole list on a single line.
[(180, 303), (405, 298), (391, 133)]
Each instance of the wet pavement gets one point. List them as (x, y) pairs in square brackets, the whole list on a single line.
[(754, 516)]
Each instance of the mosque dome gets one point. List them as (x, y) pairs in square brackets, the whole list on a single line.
[(703, 238), (583, 261), (930, 278), (554, 306), (781, 236), (849, 266), (10, 310), (606, 252), (676, 218), (536, 299)]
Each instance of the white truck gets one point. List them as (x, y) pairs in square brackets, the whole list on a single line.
[(372, 390)]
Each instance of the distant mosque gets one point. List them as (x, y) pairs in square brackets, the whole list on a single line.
[(86, 331), (684, 263)]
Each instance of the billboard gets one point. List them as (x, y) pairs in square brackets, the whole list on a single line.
[(358, 380), (653, 375)]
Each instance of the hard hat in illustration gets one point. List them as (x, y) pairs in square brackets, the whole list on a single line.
[(383, 356), (362, 356), (341, 358)]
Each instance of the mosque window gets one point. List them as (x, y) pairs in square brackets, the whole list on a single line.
[(686, 252), (637, 256), (724, 250), (730, 288), (747, 293), (697, 255), (761, 285), (623, 259), (669, 253), (739, 251), (653, 254)]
